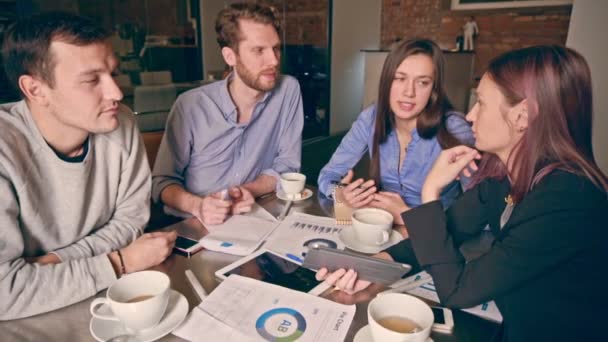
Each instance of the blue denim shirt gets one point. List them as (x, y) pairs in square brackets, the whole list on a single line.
[(407, 179), (204, 148)]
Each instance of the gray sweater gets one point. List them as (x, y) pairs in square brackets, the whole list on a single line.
[(79, 211)]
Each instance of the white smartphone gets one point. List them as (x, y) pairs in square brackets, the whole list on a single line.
[(444, 321), (273, 268), (186, 246)]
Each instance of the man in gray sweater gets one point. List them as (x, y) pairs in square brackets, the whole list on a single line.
[(74, 179)]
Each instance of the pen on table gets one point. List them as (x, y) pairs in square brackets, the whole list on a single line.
[(285, 210), (199, 291)]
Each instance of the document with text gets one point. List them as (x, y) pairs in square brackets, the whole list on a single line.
[(244, 309)]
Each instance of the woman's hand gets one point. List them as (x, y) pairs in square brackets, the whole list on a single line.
[(391, 202), (357, 194), (347, 280), (446, 169)]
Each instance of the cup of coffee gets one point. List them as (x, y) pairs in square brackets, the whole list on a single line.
[(292, 183), (372, 226), (398, 317), (138, 300)]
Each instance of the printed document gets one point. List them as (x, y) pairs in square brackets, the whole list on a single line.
[(244, 309), (240, 234), (294, 235), (427, 290)]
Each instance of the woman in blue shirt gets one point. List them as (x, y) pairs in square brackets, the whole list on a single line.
[(404, 132)]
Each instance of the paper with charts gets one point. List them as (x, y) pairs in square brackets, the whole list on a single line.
[(427, 290), (244, 309), (293, 236)]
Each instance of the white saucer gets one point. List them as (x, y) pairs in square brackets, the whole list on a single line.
[(177, 309), (347, 235), (365, 335), (306, 194)]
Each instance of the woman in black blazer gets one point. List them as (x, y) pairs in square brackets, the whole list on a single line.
[(539, 190)]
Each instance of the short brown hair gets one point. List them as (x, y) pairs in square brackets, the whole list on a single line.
[(227, 23), (26, 48)]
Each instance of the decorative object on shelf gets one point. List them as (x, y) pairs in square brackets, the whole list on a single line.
[(470, 31)]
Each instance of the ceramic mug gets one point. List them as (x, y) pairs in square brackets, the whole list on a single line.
[(372, 226), (292, 183), (138, 300)]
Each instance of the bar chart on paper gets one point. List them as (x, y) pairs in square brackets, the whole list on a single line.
[(298, 232)]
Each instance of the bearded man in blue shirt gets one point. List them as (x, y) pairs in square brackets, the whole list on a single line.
[(238, 134)]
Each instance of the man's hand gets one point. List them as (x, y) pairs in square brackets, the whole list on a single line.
[(211, 209), (147, 251), (242, 200), (50, 258)]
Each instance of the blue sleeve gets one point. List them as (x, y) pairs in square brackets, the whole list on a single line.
[(173, 153), (458, 126), (290, 145), (351, 149)]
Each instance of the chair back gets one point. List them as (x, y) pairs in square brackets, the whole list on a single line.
[(155, 77)]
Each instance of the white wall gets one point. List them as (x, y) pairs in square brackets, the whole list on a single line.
[(587, 34), (355, 26)]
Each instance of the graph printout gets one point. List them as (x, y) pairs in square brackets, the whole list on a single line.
[(244, 309)]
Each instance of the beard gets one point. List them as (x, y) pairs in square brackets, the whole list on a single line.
[(255, 81)]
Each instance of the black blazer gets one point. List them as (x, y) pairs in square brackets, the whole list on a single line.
[(547, 268)]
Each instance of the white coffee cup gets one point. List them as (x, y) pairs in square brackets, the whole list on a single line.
[(150, 289), (292, 183), (403, 306), (372, 226)]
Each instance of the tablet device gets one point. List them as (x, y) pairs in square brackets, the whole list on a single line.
[(368, 268), (270, 267)]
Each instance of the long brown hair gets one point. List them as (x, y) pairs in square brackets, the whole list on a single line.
[(556, 81), (432, 121)]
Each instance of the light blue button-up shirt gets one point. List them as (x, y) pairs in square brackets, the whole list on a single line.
[(205, 150), (406, 179)]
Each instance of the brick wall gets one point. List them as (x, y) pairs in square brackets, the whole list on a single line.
[(304, 21), (500, 30)]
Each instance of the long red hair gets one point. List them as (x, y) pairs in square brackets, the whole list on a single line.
[(556, 81)]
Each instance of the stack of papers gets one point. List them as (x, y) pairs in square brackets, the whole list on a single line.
[(240, 234), (244, 309)]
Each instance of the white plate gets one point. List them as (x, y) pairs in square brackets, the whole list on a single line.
[(306, 193), (365, 335), (177, 309), (347, 235)]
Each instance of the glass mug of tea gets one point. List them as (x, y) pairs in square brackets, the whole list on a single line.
[(138, 300), (398, 317)]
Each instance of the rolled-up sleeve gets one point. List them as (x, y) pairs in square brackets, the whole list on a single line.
[(174, 152), (288, 158)]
